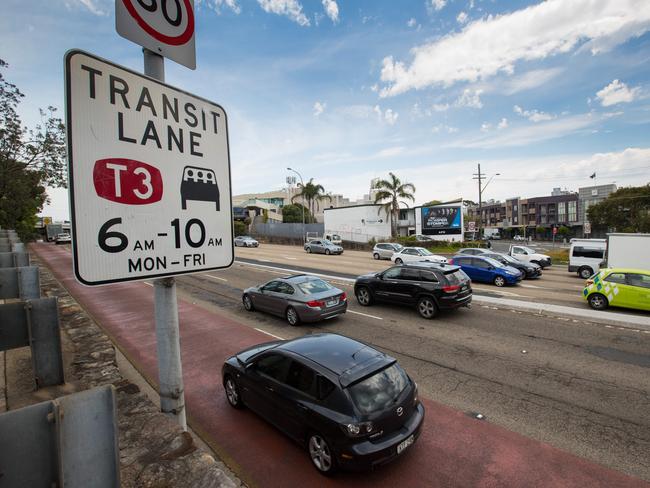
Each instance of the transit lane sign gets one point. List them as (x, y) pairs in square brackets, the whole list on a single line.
[(165, 27), (149, 176)]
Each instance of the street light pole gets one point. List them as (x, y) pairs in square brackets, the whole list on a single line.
[(480, 177), (302, 183)]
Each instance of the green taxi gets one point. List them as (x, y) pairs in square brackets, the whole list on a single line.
[(618, 287)]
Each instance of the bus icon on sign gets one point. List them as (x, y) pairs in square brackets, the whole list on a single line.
[(199, 184)]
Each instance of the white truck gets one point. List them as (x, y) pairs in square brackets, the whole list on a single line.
[(628, 251), (586, 256), (529, 255)]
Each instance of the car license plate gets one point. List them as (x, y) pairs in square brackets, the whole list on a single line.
[(405, 443), (331, 303)]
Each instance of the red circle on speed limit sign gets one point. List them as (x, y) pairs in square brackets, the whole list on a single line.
[(185, 36)]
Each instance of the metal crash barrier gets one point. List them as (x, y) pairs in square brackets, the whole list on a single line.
[(71, 441)]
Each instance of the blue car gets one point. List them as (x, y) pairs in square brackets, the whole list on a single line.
[(487, 270)]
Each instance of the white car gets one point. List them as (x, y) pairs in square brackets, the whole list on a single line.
[(519, 238), (416, 254), (63, 239), (529, 255), (245, 241)]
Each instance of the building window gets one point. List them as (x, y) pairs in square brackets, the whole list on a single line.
[(561, 211), (572, 212)]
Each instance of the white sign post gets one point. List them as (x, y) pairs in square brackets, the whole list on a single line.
[(149, 176), (163, 26)]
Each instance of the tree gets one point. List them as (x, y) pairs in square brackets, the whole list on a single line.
[(292, 213), (625, 210), (239, 228), (563, 231), (30, 159), (311, 193), (392, 190), (432, 203)]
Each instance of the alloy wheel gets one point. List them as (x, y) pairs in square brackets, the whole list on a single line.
[(376, 255), (363, 296), (598, 301), (585, 273), (398, 261), (320, 453), (499, 281), (232, 393), (248, 303), (427, 308), (292, 317)]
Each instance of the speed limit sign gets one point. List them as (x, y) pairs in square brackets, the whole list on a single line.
[(165, 27)]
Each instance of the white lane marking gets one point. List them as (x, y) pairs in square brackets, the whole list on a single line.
[(148, 284), (216, 277), (340, 278), (289, 257), (498, 291), (365, 315), (268, 333), (524, 285)]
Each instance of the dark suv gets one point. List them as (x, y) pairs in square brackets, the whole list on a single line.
[(429, 286), (350, 405)]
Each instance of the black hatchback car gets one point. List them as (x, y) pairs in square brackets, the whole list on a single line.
[(350, 405), (429, 286), (528, 270)]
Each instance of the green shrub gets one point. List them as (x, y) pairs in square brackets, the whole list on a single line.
[(239, 228)]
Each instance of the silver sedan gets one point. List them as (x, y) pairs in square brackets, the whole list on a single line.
[(298, 298), (245, 241), (323, 246)]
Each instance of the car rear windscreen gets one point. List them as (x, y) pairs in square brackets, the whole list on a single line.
[(312, 287), (380, 390), (586, 252), (457, 277)]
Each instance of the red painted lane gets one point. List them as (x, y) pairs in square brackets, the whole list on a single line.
[(453, 451)]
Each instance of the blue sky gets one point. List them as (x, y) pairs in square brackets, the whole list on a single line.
[(544, 93)]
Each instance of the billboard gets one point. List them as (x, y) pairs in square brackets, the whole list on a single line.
[(441, 220)]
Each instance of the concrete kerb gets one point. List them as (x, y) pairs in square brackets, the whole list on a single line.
[(586, 314)]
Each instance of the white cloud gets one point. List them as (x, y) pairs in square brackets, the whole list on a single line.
[(496, 44), (503, 124), (319, 108), (532, 134), (617, 92), (331, 9), (485, 127), (470, 99), (388, 116), (412, 22), (290, 8), (462, 18), (530, 79), (92, 7), (440, 107), (438, 4), (533, 115), (217, 5), (444, 128)]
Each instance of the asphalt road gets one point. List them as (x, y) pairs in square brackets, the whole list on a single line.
[(579, 386)]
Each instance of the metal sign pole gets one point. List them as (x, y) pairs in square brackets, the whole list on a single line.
[(170, 371)]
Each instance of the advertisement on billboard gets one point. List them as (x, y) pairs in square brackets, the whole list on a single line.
[(441, 220)]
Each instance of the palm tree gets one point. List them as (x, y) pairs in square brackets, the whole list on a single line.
[(311, 193), (392, 190)]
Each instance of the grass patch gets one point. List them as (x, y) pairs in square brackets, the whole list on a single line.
[(559, 256)]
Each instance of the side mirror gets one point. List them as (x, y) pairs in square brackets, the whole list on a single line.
[(380, 276)]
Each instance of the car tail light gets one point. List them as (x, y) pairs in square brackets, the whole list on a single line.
[(344, 297), (590, 282), (451, 288), (316, 303)]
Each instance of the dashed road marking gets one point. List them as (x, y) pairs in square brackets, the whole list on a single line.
[(292, 259), (148, 284), (216, 277), (268, 333), (365, 315)]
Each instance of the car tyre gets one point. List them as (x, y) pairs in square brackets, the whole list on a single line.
[(248, 303), (364, 296), (585, 272), (308, 250), (598, 301), (376, 255), (327, 251), (427, 308), (499, 281), (321, 455), (292, 317), (398, 261), (232, 392)]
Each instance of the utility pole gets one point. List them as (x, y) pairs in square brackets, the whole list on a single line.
[(302, 183), (480, 177)]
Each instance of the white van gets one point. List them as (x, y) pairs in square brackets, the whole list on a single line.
[(333, 238), (586, 255)]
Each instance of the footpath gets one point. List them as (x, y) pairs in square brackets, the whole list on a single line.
[(454, 450), (154, 451)]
